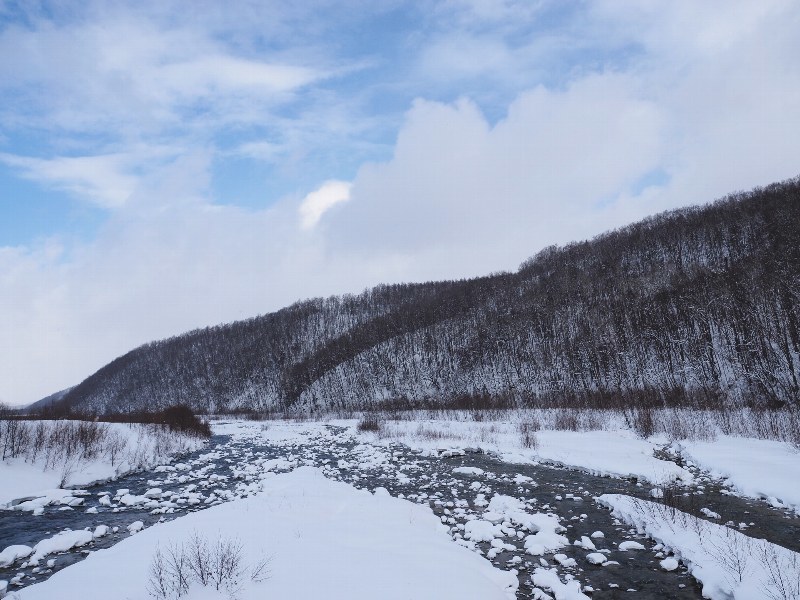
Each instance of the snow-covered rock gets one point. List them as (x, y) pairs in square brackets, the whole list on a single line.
[(481, 531), (153, 493), (13, 553), (135, 527), (596, 558), (669, 564), (631, 545), (100, 531), (549, 580), (470, 471), (61, 542)]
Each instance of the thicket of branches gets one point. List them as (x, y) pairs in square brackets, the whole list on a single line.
[(64, 447), (696, 307), (178, 418)]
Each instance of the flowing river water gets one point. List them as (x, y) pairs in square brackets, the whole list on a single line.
[(231, 467)]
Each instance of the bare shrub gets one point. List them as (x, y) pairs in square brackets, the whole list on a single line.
[(734, 554), (643, 422), (488, 435), (591, 421), (220, 564), (227, 564), (16, 437), (565, 420), (793, 428), (68, 467), (429, 433), (198, 556), (783, 573), (681, 424), (170, 576), (39, 438), (527, 434), (726, 421), (369, 423), (115, 445), (158, 583), (64, 446)]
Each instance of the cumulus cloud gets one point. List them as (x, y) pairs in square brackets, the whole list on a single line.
[(487, 196)]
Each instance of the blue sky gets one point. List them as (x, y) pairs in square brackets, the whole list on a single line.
[(364, 68), (170, 165)]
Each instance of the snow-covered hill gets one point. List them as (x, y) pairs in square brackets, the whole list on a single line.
[(697, 307)]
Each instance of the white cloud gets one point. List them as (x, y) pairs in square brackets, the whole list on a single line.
[(103, 72), (263, 150), (485, 197), (318, 202), (106, 180), (219, 73)]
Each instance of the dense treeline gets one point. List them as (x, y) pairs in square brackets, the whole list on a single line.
[(697, 306)]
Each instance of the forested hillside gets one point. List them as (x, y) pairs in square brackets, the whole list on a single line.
[(694, 306)]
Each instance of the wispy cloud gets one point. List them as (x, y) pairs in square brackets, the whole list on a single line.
[(104, 180), (136, 74)]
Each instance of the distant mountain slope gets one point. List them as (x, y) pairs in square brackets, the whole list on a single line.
[(698, 305), (46, 401)]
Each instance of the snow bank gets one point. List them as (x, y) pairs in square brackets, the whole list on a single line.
[(728, 564), (324, 539), (609, 453), (60, 542), (756, 468)]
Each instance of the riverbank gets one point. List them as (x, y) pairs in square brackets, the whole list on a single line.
[(49, 456)]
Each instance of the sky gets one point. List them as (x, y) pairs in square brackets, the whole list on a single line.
[(171, 165)]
